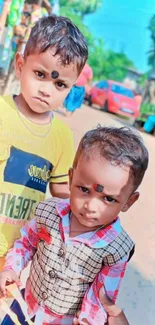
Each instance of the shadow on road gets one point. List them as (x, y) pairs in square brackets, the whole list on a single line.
[(118, 118), (137, 297)]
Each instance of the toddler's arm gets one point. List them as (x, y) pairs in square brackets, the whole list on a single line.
[(110, 277), (23, 249), (19, 256)]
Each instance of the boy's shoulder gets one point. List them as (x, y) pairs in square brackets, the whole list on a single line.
[(61, 128), (60, 123), (6, 101), (121, 247)]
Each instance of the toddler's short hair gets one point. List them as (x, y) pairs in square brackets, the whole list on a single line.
[(58, 32), (121, 146)]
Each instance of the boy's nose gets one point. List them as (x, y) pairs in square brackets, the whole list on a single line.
[(44, 93)]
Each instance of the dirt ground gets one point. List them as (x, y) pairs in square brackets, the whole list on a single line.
[(137, 294)]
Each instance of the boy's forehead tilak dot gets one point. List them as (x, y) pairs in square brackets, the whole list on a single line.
[(54, 74)]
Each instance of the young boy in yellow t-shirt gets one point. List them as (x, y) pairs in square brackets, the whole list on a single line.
[(35, 146)]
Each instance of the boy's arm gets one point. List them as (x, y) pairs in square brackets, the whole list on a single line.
[(59, 179), (60, 190), (23, 249), (92, 312)]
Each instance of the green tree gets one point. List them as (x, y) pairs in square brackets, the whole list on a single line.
[(80, 7), (67, 12), (106, 64), (151, 57)]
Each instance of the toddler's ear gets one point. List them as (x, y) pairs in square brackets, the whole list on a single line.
[(132, 199), (19, 62)]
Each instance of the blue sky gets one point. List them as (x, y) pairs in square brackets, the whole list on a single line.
[(123, 26)]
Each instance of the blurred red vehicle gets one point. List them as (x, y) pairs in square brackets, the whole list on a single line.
[(114, 97)]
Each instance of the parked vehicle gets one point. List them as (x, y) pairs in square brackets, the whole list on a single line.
[(146, 110), (114, 97)]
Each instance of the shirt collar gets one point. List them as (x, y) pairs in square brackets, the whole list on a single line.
[(98, 239)]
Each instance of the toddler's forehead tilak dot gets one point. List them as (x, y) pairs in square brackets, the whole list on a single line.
[(98, 188)]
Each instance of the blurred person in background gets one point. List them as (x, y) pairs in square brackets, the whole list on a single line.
[(78, 92), (3, 16)]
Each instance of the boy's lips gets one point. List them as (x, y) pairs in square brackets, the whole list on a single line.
[(41, 100)]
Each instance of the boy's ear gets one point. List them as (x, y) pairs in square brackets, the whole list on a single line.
[(19, 63), (132, 199), (70, 177)]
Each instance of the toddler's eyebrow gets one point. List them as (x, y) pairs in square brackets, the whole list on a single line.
[(100, 189), (116, 196)]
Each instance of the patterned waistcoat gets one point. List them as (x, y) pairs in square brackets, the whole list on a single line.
[(61, 274)]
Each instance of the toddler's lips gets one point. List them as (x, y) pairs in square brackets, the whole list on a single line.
[(88, 218)]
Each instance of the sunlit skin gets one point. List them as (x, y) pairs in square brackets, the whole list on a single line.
[(40, 93), (92, 209)]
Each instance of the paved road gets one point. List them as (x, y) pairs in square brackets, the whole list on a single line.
[(137, 294)]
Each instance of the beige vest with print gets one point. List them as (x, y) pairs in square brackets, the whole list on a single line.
[(61, 274)]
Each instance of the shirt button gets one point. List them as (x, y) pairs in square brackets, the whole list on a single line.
[(61, 252), (44, 295), (52, 274)]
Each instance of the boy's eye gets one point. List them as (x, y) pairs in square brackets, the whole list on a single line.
[(109, 199), (60, 84), (39, 74), (83, 189)]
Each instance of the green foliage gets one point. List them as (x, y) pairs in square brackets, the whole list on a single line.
[(146, 110), (106, 64), (151, 56), (142, 80), (151, 27), (81, 7)]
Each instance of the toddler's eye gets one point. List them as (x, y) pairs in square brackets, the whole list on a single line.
[(109, 199), (84, 189)]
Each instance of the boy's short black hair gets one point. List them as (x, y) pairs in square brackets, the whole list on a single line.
[(58, 32), (121, 146)]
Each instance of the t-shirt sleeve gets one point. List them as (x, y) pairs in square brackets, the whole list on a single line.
[(66, 154)]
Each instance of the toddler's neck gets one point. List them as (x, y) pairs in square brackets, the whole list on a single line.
[(76, 228)]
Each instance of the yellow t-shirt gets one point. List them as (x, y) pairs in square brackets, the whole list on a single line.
[(31, 155)]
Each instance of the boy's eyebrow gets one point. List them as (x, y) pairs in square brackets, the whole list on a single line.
[(44, 70), (41, 69), (63, 80)]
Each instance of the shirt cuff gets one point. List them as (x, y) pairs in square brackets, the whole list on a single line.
[(11, 264), (59, 178)]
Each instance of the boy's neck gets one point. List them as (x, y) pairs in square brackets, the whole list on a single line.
[(43, 118)]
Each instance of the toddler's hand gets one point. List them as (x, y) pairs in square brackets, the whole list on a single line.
[(5, 277)]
